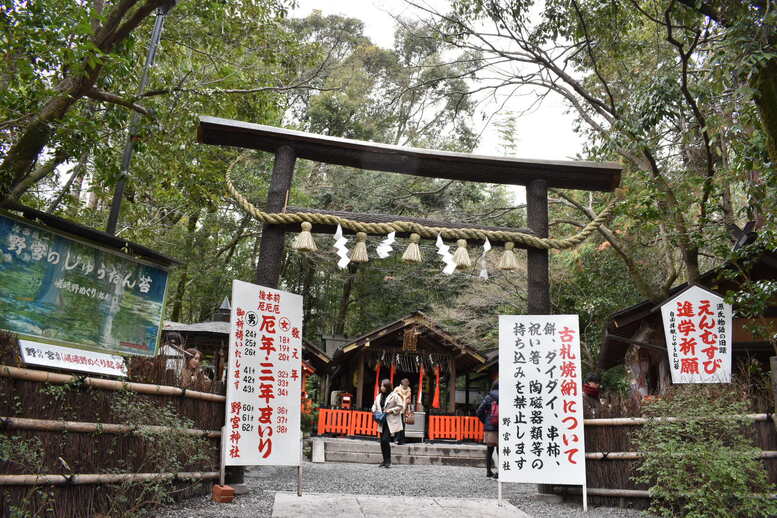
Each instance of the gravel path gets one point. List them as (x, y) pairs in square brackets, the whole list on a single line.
[(437, 481)]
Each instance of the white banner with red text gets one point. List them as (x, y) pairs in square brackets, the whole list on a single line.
[(540, 400), (264, 377)]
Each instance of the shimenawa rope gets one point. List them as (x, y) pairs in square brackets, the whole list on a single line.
[(528, 240)]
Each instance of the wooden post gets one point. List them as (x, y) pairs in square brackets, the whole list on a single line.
[(323, 398), (268, 270), (452, 388), (538, 293), (360, 383), (466, 391)]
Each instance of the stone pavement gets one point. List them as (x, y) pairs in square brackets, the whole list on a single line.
[(329, 505)]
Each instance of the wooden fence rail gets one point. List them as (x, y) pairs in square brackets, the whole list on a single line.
[(105, 384), (101, 478), (48, 425)]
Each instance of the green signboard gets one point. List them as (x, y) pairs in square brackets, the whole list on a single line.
[(59, 290)]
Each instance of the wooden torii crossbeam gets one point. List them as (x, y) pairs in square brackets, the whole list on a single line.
[(288, 145)]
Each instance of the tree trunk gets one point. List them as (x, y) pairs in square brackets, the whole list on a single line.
[(766, 100), (180, 289), (345, 300)]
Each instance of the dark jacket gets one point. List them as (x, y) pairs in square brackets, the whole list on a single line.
[(484, 410)]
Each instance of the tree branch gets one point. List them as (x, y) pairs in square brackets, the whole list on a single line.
[(102, 95)]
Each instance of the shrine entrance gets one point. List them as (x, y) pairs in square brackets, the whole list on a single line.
[(278, 218)]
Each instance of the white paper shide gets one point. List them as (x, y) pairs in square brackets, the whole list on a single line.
[(540, 400), (264, 377)]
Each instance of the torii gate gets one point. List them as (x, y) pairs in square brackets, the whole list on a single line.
[(288, 145)]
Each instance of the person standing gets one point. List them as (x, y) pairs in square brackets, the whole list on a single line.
[(591, 402), (405, 393), (488, 413), (392, 405)]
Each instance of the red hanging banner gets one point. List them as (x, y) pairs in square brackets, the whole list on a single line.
[(377, 380), (392, 372), (436, 400)]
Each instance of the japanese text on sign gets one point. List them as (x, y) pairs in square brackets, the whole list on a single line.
[(540, 400), (71, 293), (697, 327), (68, 358), (264, 377)]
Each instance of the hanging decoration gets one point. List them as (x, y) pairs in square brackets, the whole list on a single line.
[(421, 372), (342, 250), (413, 252), (410, 339), (304, 241), (461, 256), (359, 252), (508, 260), (392, 372), (444, 251), (377, 380), (436, 400), (482, 260), (424, 231), (384, 247)]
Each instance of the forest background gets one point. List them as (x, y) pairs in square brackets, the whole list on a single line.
[(683, 93)]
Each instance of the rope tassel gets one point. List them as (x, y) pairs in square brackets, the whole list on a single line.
[(304, 240), (508, 260), (461, 256), (359, 252), (413, 252)]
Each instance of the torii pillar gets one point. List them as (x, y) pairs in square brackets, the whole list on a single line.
[(538, 292)]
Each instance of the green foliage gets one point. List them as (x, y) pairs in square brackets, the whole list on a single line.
[(616, 381), (168, 451), (26, 455), (703, 464)]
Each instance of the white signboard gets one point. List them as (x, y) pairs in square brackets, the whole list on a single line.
[(540, 400), (697, 327), (264, 378), (69, 358)]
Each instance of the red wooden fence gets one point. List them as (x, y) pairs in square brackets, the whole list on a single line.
[(352, 422)]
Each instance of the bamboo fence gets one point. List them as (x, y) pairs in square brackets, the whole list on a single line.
[(90, 453), (612, 459)]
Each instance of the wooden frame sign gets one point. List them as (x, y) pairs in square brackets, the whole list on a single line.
[(264, 378), (541, 438)]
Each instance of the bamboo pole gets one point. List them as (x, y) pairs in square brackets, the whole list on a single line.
[(104, 384), (101, 478), (636, 421), (635, 455), (21, 423), (622, 493)]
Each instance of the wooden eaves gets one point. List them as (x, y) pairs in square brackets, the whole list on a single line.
[(98, 237), (565, 174), (466, 353)]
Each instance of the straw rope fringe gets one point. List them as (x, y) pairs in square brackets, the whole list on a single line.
[(281, 218)]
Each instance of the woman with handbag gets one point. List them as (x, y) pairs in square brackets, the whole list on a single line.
[(405, 393), (387, 410)]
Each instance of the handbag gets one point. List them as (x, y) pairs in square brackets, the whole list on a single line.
[(379, 416), (410, 418)]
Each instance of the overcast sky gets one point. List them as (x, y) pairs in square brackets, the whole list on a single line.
[(545, 132)]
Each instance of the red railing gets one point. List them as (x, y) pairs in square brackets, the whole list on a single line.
[(354, 422), (346, 422), (455, 427)]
